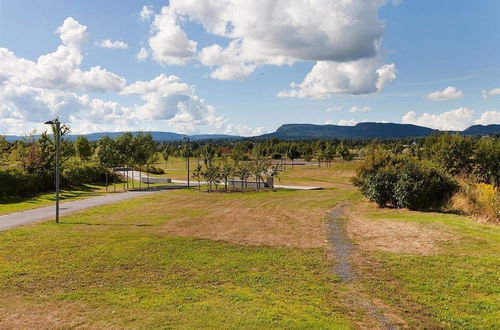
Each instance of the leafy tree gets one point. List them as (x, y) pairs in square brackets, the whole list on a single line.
[(83, 147), (293, 153)]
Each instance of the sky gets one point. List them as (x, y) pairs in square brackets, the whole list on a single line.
[(246, 67)]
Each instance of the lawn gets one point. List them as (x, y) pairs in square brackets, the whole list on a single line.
[(16, 204), (190, 259)]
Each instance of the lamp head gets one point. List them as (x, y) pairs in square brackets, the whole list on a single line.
[(49, 122)]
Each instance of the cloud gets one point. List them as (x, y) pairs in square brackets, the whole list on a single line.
[(146, 13), (169, 43), (348, 122), (339, 36), (335, 108), (142, 55), (489, 117), (355, 109), (32, 92), (449, 93), (485, 93), (60, 69), (327, 78), (457, 119), (107, 43)]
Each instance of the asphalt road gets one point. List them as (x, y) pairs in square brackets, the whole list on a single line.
[(20, 218)]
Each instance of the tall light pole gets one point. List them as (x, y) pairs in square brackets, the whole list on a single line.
[(57, 136), (187, 157)]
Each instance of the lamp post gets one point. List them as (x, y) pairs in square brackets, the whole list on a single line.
[(57, 136), (187, 157)]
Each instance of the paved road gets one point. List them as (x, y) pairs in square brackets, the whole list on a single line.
[(193, 183), (24, 217)]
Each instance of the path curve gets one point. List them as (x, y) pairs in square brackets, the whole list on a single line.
[(24, 217)]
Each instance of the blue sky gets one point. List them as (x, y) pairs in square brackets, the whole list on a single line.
[(431, 63)]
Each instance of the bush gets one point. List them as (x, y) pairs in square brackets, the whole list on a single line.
[(76, 172), (421, 185), (403, 181), (156, 170), (18, 182)]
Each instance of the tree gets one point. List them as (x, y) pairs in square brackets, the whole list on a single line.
[(226, 172), (107, 155), (344, 152), (197, 174), (166, 153), (487, 159), (293, 153), (83, 147), (144, 151)]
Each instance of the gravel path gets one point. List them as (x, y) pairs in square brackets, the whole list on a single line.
[(342, 248)]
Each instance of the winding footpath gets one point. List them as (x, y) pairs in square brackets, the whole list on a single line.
[(24, 217)]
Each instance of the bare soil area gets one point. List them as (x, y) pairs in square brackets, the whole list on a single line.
[(395, 236), (273, 222)]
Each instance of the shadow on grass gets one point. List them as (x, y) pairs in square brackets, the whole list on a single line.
[(106, 224)]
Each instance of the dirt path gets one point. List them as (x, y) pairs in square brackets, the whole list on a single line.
[(342, 248)]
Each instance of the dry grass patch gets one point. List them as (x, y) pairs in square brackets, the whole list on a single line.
[(285, 218), (395, 236)]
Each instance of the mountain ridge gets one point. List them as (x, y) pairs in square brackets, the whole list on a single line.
[(366, 130)]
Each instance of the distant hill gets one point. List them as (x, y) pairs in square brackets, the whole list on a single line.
[(361, 130), (482, 130), (311, 131)]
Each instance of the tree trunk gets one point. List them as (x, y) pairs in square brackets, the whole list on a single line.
[(106, 181), (140, 178), (114, 182), (147, 171)]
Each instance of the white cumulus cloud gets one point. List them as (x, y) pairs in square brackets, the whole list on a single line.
[(489, 117), (457, 119), (342, 37), (449, 93), (54, 86), (355, 109), (142, 54), (108, 43), (169, 43), (146, 13), (486, 93)]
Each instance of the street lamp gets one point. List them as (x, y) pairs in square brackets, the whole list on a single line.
[(187, 156), (57, 136)]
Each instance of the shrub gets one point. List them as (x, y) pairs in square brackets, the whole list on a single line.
[(403, 181), (15, 181), (156, 170), (76, 172), (422, 185)]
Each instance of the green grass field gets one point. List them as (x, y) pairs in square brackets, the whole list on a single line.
[(190, 259)]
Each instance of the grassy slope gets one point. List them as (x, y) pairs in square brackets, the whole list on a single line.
[(16, 204), (115, 259), (455, 288)]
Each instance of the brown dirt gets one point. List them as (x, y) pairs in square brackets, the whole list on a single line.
[(252, 222), (395, 236)]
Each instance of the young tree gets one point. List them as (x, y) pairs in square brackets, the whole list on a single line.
[(83, 147), (166, 153), (107, 155), (293, 153), (197, 174)]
